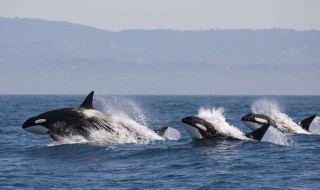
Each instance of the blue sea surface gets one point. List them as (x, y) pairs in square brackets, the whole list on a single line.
[(30, 161)]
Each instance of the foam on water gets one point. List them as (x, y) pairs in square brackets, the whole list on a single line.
[(272, 109), (216, 118)]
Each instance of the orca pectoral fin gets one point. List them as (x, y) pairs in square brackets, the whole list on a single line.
[(305, 124), (55, 136), (259, 133), (161, 131), (87, 103)]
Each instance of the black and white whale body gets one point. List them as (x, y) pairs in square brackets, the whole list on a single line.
[(199, 128), (74, 121), (255, 121)]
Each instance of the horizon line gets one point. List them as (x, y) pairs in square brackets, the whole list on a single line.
[(163, 29), (76, 94)]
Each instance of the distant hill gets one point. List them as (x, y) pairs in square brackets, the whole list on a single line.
[(49, 51), (47, 40)]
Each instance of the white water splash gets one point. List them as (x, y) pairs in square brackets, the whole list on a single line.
[(123, 106), (275, 136), (75, 139), (172, 134), (216, 118), (271, 109), (130, 122), (141, 133)]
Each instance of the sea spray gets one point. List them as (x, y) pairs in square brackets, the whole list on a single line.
[(142, 133), (122, 110), (121, 105), (172, 134), (272, 109), (216, 118)]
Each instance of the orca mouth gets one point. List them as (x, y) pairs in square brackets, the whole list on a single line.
[(27, 123), (37, 129), (33, 126)]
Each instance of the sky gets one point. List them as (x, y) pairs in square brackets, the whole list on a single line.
[(116, 15)]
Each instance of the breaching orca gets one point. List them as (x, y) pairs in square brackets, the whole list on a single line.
[(199, 128), (255, 121), (73, 121)]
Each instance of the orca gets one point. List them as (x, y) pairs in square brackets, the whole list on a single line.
[(74, 121), (255, 121), (199, 128)]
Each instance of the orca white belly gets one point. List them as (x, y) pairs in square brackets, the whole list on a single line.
[(193, 132), (38, 129), (252, 125)]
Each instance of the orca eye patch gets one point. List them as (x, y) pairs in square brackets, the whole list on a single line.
[(38, 121), (261, 120), (201, 126)]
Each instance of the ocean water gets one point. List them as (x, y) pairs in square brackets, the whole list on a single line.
[(30, 161)]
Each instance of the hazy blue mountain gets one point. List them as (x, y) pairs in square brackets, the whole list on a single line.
[(40, 56)]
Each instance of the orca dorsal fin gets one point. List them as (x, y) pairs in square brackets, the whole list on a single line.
[(87, 103), (305, 124), (259, 133)]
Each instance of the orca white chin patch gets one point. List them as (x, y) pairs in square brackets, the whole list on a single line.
[(193, 132), (38, 129), (252, 125)]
